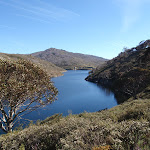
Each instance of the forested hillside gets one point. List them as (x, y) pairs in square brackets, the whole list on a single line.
[(68, 60), (128, 75)]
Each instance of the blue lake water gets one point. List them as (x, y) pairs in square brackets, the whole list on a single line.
[(75, 96)]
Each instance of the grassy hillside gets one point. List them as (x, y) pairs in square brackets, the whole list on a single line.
[(124, 127), (50, 68), (128, 74), (68, 60)]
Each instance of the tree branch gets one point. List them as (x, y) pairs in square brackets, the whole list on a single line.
[(3, 111), (2, 126)]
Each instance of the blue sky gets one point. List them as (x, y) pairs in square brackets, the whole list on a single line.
[(97, 27)]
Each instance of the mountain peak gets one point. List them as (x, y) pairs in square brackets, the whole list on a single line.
[(69, 60)]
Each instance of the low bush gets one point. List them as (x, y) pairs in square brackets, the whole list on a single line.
[(116, 129)]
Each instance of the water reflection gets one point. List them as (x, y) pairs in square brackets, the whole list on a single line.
[(120, 97), (107, 91)]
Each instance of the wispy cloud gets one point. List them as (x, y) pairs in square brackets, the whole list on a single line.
[(34, 18), (4, 26), (40, 11), (131, 12)]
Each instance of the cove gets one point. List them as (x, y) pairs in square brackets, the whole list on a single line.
[(75, 96)]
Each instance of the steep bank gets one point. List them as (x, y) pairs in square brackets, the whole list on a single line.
[(68, 60), (123, 127), (128, 74), (50, 68)]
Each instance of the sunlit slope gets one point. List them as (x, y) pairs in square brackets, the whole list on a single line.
[(68, 60), (50, 68)]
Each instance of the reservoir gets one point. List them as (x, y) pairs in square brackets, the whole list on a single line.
[(75, 96)]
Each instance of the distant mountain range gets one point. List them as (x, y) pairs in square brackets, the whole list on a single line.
[(128, 74), (69, 60), (50, 68)]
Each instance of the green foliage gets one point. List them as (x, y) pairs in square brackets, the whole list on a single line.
[(21, 80), (24, 87), (22, 147), (143, 143), (85, 131), (53, 119)]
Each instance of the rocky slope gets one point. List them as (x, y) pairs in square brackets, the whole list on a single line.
[(68, 60), (50, 68), (128, 75)]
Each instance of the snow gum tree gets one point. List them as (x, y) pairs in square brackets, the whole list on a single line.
[(24, 87)]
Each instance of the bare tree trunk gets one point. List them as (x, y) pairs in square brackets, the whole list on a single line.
[(9, 125)]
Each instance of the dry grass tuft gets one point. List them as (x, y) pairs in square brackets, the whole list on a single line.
[(107, 147)]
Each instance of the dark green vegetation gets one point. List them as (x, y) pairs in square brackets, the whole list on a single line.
[(124, 127), (68, 60), (128, 75), (24, 87), (50, 68)]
